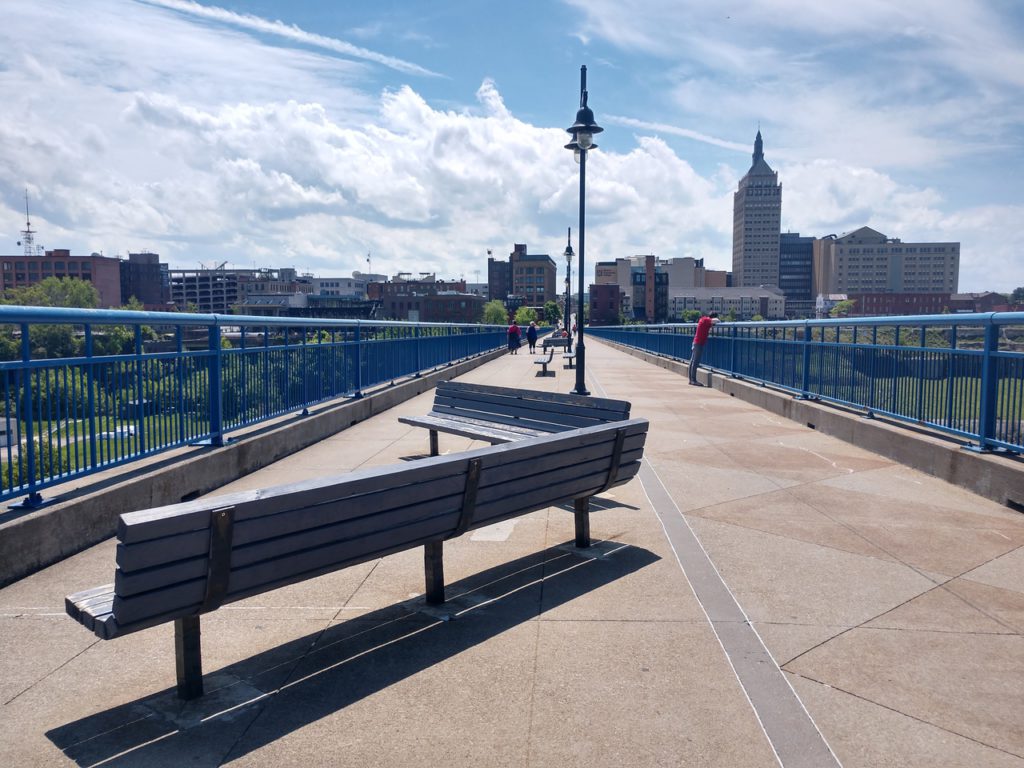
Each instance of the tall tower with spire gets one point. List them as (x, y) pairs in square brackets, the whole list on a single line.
[(757, 223)]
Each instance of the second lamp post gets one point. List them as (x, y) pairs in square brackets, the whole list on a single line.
[(582, 131), (568, 293)]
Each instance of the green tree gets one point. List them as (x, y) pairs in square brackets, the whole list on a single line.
[(526, 315), (552, 313), (757, 318), (1017, 297), (730, 316), (495, 313), (842, 308), (691, 315), (55, 292)]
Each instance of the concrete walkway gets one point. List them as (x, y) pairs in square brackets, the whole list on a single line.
[(763, 594)]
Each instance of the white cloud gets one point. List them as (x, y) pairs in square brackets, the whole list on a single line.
[(289, 31), (283, 158)]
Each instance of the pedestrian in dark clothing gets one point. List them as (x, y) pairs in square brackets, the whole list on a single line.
[(531, 336), (700, 338), (513, 338)]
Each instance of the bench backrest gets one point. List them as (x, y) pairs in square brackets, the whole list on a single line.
[(192, 557), (542, 411)]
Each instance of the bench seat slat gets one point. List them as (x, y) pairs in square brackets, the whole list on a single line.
[(545, 421), (474, 428), (464, 389), (610, 410)]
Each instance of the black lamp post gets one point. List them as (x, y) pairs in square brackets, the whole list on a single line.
[(568, 296), (582, 131)]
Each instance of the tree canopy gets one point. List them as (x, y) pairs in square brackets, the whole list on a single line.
[(55, 292), (841, 308), (552, 313), (526, 315), (495, 313)]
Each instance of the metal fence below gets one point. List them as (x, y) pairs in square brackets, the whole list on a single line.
[(86, 390), (960, 374)]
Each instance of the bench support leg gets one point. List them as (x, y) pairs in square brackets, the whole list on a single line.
[(433, 442), (582, 509), (188, 657), (433, 570)]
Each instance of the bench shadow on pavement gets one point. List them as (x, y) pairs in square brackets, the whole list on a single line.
[(258, 700)]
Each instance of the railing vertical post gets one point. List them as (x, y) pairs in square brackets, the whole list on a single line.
[(951, 361), (871, 368), (28, 416), (216, 406), (922, 342), (416, 343), (359, 360), (287, 335), (140, 394), (182, 378), (307, 374), (265, 371), (805, 384), (90, 382), (732, 349), (989, 387)]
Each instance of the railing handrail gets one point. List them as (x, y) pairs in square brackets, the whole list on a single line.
[(972, 318), (12, 313)]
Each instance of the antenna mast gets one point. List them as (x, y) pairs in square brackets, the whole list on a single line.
[(28, 236)]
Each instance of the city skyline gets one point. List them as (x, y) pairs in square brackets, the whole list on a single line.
[(300, 134)]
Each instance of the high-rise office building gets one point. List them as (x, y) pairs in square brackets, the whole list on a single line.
[(756, 223), (796, 273)]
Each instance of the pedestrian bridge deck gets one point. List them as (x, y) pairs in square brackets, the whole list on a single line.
[(763, 594)]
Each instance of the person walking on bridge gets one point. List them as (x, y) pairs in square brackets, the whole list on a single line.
[(700, 338)]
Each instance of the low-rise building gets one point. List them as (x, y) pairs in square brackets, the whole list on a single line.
[(605, 304), (867, 261), (743, 303), (103, 272)]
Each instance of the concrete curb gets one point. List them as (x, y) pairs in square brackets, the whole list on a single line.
[(996, 477), (39, 538)]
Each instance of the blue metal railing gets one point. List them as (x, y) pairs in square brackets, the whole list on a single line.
[(87, 390), (959, 374)]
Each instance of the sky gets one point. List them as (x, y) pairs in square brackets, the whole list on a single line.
[(311, 134)]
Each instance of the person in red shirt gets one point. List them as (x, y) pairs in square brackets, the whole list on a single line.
[(700, 338), (514, 337)]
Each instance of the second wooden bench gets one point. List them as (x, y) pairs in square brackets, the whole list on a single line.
[(503, 415)]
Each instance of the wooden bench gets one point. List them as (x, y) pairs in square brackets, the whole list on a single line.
[(543, 361), (177, 562), (556, 342), (503, 415)]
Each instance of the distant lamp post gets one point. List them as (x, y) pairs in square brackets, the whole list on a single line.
[(568, 296), (582, 131)]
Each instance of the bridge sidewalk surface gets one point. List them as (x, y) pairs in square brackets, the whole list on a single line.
[(891, 604)]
